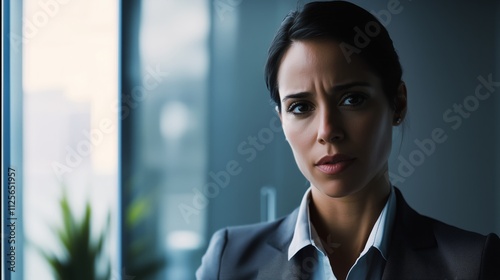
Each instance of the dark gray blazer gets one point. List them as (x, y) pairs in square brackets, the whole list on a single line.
[(420, 248)]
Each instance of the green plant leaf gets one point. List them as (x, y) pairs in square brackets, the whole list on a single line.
[(137, 210), (80, 252)]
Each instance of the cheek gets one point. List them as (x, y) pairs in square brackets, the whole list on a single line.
[(293, 136), (298, 130), (300, 137), (376, 135)]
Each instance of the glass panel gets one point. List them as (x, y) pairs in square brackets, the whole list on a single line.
[(172, 134), (70, 84)]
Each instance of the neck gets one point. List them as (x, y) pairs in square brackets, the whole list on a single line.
[(347, 221)]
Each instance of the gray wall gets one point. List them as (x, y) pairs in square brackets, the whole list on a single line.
[(444, 48)]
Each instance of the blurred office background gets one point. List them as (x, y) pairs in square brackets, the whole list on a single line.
[(189, 140)]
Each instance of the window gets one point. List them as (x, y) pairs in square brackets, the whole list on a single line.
[(70, 127)]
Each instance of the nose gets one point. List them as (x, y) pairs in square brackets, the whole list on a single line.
[(329, 127)]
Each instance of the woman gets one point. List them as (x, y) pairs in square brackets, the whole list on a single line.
[(335, 77)]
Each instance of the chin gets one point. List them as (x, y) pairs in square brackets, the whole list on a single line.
[(336, 188), (340, 185)]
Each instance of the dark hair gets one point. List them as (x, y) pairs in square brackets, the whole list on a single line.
[(357, 31)]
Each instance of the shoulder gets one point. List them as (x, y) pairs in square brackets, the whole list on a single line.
[(238, 250), (465, 248), (441, 248), (453, 234), (250, 238), (418, 227), (459, 239), (230, 239), (253, 232)]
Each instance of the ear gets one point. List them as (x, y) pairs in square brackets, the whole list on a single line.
[(400, 104)]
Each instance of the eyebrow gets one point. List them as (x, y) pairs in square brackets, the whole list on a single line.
[(334, 89)]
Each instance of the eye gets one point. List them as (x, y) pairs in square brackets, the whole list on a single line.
[(299, 108), (353, 99)]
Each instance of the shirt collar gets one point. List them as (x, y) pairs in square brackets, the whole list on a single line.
[(304, 234)]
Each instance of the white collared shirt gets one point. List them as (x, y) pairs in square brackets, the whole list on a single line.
[(370, 263)]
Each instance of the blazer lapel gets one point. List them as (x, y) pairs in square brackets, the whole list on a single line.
[(412, 245), (278, 266)]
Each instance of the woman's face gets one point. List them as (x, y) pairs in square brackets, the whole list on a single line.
[(335, 117)]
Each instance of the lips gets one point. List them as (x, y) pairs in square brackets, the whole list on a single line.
[(335, 164), (334, 159)]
